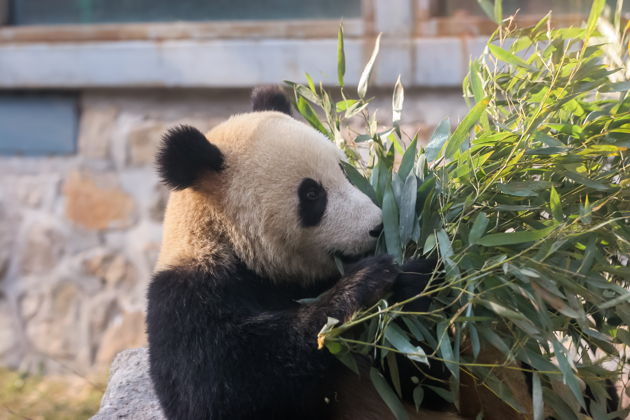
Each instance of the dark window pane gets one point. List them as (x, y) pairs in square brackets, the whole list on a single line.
[(30, 12), (34, 124), (527, 7)]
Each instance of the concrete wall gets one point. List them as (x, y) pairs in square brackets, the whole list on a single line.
[(79, 234)]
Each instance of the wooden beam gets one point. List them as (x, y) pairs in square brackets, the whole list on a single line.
[(286, 29)]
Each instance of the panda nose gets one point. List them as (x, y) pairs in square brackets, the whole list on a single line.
[(376, 231)]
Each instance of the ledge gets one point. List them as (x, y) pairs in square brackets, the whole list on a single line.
[(228, 63)]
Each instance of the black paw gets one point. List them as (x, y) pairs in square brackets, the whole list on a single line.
[(371, 279), (413, 279)]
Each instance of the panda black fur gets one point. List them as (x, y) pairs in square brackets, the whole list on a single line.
[(257, 210)]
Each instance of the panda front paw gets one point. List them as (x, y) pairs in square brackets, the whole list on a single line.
[(370, 279), (413, 279)]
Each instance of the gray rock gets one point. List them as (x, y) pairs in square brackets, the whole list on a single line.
[(129, 393)]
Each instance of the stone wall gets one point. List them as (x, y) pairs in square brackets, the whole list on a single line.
[(79, 234)]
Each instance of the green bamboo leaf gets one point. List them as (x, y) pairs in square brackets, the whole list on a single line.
[(387, 394), (494, 339), (555, 205), (359, 180), (408, 208), (474, 340), (395, 335), (498, 11), (418, 396), (581, 179), (345, 104), (508, 57), (397, 101), (407, 161), (476, 84), (596, 11), (307, 112), (568, 376), (503, 311), (616, 87), (367, 71), (537, 397), (444, 243), (309, 80), (487, 8), (437, 140), (391, 227), (616, 301), (445, 348), (512, 238), (478, 228), (429, 244), (341, 57), (348, 359), (394, 375), (460, 134)]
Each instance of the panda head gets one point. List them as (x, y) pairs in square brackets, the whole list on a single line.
[(264, 189)]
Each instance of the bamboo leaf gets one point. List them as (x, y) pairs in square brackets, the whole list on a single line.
[(307, 112), (391, 226), (341, 57), (418, 396), (407, 161), (445, 347), (463, 129), (397, 338), (478, 228), (367, 71), (397, 102), (508, 57), (537, 397), (498, 11), (568, 375), (596, 11), (555, 205), (388, 395), (408, 208), (437, 140), (359, 180), (512, 238), (487, 8)]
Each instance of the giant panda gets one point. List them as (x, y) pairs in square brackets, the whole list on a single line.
[(259, 207)]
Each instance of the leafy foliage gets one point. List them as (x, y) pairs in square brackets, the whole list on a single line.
[(526, 203)]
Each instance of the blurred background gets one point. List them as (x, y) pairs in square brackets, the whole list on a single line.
[(87, 87)]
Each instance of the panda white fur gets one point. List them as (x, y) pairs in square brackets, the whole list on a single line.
[(258, 208)]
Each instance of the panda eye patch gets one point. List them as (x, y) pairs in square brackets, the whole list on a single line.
[(313, 200)]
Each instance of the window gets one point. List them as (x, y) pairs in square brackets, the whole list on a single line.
[(37, 124), (48, 12), (529, 7)]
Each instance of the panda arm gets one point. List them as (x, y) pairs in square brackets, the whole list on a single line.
[(216, 353)]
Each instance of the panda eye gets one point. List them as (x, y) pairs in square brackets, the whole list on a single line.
[(312, 195), (313, 201)]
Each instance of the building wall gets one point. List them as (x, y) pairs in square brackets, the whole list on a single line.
[(80, 233)]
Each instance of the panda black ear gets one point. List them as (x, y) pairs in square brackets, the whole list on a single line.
[(270, 98), (184, 155)]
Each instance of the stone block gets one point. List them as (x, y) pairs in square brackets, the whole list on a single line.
[(129, 393), (43, 250), (95, 201), (129, 332), (144, 142), (115, 270), (53, 330), (95, 131), (8, 334)]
